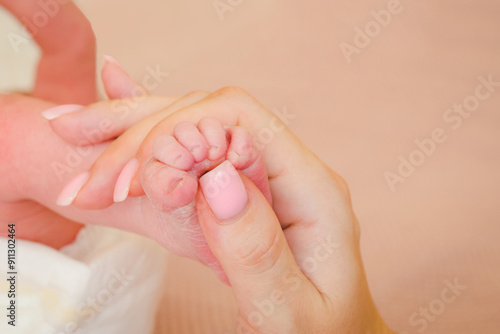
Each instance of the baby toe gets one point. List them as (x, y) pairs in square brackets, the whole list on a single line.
[(245, 157), (241, 151), (216, 137), (169, 151), (168, 188), (190, 137)]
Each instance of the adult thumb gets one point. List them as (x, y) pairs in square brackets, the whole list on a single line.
[(245, 235)]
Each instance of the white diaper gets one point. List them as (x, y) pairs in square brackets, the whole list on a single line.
[(107, 281)]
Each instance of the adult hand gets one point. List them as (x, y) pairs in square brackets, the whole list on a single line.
[(66, 74), (294, 267), (66, 70)]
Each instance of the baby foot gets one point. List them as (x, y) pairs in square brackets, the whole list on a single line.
[(193, 150), (170, 177)]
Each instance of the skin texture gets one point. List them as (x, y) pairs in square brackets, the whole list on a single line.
[(67, 44), (358, 118), (255, 248), (261, 245), (65, 74), (66, 70), (330, 214)]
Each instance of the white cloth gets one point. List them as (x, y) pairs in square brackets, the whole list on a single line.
[(107, 281)]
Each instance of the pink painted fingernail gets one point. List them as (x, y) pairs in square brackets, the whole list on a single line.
[(69, 192), (64, 109), (122, 186), (224, 191)]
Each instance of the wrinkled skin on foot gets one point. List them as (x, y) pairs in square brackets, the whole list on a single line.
[(179, 160)]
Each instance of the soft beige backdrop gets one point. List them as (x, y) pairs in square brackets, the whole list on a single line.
[(442, 223)]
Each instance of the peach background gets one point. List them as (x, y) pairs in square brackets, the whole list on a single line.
[(442, 223)]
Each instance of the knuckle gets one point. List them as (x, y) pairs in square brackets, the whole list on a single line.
[(343, 186), (200, 92), (232, 91), (340, 184), (83, 38), (238, 100), (197, 94), (259, 253), (190, 98)]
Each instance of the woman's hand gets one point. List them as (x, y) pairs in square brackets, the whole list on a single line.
[(66, 70), (66, 74), (129, 119), (294, 267)]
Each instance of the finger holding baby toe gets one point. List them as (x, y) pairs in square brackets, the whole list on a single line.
[(216, 137), (147, 137), (190, 137), (113, 175)]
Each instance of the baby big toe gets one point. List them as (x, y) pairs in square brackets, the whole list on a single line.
[(167, 187), (169, 151)]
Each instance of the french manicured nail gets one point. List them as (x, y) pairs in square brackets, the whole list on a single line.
[(69, 192), (122, 186), (224, 191), (112, 60), (61, 110)]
